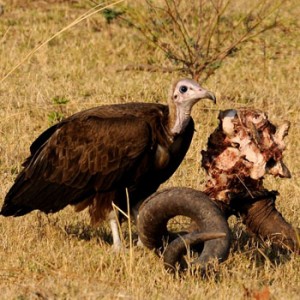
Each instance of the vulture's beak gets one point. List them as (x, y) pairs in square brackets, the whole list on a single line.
[(211, 96)]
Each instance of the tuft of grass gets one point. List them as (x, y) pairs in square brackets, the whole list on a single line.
[(58, 115), (61, 256)]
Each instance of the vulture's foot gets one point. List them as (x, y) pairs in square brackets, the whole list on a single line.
[(140, 243)]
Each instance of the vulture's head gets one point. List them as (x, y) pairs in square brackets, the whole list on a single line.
[(185, 94)]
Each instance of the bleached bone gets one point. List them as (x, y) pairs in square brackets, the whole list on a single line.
[(241, 151), (227, 125), (281, 133)]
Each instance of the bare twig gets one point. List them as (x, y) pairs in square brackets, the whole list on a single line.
[(149, 68), (172, 29)]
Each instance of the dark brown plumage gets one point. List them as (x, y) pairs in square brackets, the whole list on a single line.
[(90, 158)]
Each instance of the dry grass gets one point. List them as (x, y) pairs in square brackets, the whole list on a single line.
[(60, 256)]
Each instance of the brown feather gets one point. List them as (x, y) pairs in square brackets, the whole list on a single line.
[(90, 158)]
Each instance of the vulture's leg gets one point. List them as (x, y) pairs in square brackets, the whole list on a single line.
[(113, 222)]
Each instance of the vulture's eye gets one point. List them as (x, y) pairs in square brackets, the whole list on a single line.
[(183, 89)]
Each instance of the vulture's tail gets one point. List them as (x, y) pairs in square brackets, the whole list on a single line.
[(12, 207), (26, 196)]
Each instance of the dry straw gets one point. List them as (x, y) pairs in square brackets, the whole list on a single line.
[(84, 16), (128, 217)]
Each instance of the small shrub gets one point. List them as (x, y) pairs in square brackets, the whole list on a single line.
[(58, 115), (196, 37)]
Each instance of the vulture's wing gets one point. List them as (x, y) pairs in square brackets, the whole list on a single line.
[(75, 158)]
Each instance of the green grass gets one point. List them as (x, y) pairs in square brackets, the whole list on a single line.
[(61, 256)]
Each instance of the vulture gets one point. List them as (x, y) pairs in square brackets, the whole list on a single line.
[(98, 156)]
